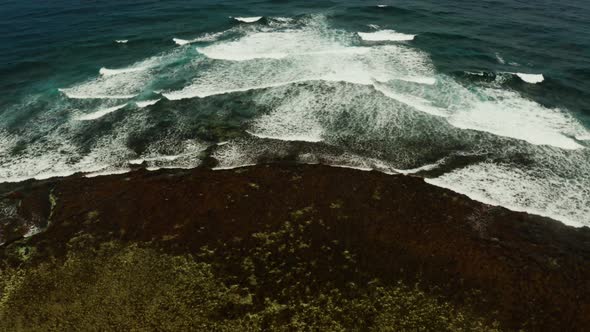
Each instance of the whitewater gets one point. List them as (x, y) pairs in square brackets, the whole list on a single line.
[(300, 89)]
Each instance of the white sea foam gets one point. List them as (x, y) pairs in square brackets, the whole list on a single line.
[(181, 42), (385, 35), (237, 153), (415, 102), (124, 83), (271, 45), (507, 113), (155, 158), (107, 172), (382, 6), (428, 167), (7, 142), (496, 111), (359, 65), (352, 117), (245, 152), (122, 41), (531, 78), (500, 112), (500, 59), (521, 190), (56, 156), (315, 84), (248, 19), (347, 160), (217, 53), (73, 94), (146, 103), (172, 154), (209, 37), (109, 87), (100, 113), (491, 109), (222, 55), (195, 91), (33, 230), (283, 19), (293, 120), (291, 138), (110, 72), (419, 80), (271, 59)]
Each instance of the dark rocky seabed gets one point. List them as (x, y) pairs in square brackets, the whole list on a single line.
[(278, 238)]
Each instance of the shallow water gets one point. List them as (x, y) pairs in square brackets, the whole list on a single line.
[(487, 98)]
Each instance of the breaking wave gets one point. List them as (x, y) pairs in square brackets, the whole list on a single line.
[(298, 89), (209, 37), (100, 113), (248, 19), (110, 72), (385, 35), (531, 78)]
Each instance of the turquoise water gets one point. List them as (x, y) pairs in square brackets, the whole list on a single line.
[(487, 98)]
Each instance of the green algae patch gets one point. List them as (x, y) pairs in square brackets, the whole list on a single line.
[(376, 194), (25, 253), (298, 214), (289, 278), (52, 204), (336, 205), (92, 215), (129, 288)]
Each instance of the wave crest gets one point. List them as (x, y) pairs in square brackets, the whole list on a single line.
[(248, 19), (385, 35)]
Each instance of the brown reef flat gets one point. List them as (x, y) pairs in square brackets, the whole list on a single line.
[(522, 270)]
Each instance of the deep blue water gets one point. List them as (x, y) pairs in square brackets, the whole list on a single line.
[(488, 98)]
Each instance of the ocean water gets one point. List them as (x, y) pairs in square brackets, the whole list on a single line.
[(487, 98)]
